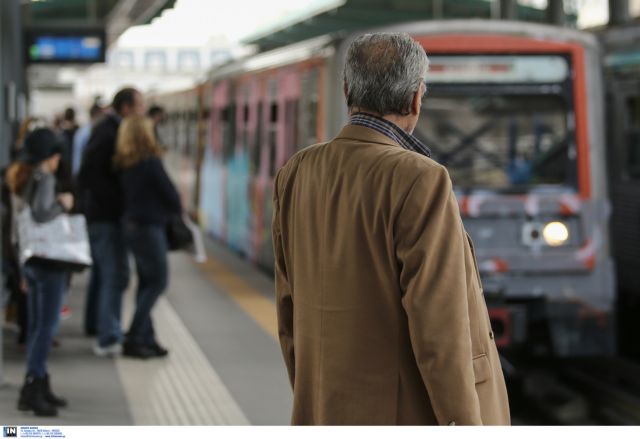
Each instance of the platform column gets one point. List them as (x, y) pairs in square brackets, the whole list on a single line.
[(505, 9), (618, 12), (555, 12)]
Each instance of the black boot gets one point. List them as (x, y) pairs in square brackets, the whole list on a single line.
[(158, 349), (135, 350), (50, 397), (32, 397)]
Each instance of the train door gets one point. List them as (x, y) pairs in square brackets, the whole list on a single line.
[(202, 124), (221, 133), (289, 101), (238, 172), (309, 126), (264, 162), (624, 171)]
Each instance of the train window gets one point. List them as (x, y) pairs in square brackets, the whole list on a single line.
[(243, 127), (193, 133), (257, 143), (273, 137), (291, 127), (633, 137), (186, 133), (182, 134), (502, 142), (272, 153), (307, 126), (225, 114), (227, 123), (162, 133)]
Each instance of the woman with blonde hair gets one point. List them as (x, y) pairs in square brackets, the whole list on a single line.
[(151, 200)]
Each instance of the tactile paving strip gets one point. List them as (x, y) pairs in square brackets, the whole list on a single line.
[(180, 389)]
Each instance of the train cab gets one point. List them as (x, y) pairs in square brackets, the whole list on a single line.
[(515, 116)]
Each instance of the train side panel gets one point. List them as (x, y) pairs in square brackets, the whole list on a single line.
[(257, 122)]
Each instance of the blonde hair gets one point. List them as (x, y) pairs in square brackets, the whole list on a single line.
[(136, 142)]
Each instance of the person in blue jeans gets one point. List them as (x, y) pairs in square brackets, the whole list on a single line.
[(32, 182), (102, 202), (151, 200)]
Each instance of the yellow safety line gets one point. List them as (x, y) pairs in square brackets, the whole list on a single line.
[(258, 307)]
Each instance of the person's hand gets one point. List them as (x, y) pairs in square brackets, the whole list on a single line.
[(66, 200)]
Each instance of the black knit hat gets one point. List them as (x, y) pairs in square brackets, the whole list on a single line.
[(39, 145)]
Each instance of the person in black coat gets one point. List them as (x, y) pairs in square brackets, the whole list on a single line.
[(102, 202), (150, 200)]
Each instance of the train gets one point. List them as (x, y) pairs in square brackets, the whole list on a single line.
[(514, 110), (621, 65)]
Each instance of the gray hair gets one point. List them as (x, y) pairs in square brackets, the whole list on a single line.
[(383, 71)]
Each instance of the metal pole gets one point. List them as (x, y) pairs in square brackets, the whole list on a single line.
[(2, 141), (438, 9), (92, 12), (555, 12), (618, 11), (507, 9)]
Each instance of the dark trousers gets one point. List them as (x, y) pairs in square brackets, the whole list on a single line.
[(91, 305), (46, 288), (110, 278), (148, 243)]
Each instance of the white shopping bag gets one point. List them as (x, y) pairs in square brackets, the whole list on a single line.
[(200, 255), (62, 240)]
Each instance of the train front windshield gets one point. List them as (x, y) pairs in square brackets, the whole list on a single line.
[(502, 123)]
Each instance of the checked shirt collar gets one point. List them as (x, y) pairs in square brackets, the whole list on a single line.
[(391, 130)]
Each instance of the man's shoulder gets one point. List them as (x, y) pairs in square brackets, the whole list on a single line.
[(402, 161), (412, 162), (405, 165), (104, 132), (299, 156), (106, 125)]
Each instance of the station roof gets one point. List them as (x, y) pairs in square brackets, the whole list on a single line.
[(115, 16), (331, 16)]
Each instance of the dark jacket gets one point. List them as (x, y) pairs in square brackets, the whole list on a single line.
[(150, 196), (99, 190)]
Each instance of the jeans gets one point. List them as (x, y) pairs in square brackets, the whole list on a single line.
[(148, 243), (91, 306), (111, 266), (46, 288)]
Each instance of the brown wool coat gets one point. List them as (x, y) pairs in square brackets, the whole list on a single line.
[(381, 314)]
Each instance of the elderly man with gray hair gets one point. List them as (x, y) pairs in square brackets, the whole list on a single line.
[(381, 314)]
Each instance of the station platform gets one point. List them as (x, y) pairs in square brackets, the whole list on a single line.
[(224, 367)]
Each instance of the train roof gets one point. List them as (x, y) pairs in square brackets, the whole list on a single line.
[(622, 46), (324, 17), (312, 48), (620, 37), (325, 45), (516, 28)]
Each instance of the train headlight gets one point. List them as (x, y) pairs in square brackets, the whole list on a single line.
[(555, 234)]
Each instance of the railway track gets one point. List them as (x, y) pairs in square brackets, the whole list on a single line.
[(611, 386), (586, 391)]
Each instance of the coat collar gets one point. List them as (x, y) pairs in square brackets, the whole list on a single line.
[(365, 134), (368, 132)]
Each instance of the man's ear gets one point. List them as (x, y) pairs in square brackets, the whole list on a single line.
[(416, 102)]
